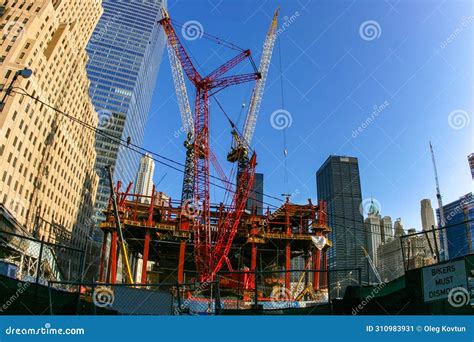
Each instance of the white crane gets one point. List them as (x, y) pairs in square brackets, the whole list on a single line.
[(241, 144), (187, 122), (440, 206)]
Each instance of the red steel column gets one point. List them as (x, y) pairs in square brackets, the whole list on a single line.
[(146, 249), (288, 265), (182, 253), (113, 258), (253, 260), (182, 250), (102, 257)]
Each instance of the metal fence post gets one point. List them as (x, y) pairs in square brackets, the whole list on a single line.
[(256, 289), (50, 299), (82, 265), (93, 298), (403, 253), (178, 295), (218, 297), (40, 256)]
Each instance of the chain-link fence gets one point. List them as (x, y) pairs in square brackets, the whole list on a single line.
[(136, 299), (36, 261), (441, 244), (276, 290)]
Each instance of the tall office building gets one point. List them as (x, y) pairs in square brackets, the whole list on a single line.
[(255, 200), (338, 184), (125, 53), (427, 215), (46, 159), (144, 182), (459, 216)]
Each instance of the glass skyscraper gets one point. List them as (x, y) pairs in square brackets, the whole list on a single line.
[(125, 54), (459, 218)]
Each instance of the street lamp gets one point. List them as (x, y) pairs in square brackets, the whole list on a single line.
[(25, 73)]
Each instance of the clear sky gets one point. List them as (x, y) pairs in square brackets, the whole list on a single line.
[(412, 60)]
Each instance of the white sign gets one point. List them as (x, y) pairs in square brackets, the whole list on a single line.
[(439, 279)]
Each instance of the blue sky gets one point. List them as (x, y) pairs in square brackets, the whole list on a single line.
[(413, 61)]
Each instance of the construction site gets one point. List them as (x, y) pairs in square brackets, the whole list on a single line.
[(227, 254), (151, 239)]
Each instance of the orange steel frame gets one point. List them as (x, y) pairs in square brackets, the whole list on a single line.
[(144, 217)]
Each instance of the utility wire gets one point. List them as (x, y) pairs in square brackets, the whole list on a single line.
[(141, 151), (136, 148)]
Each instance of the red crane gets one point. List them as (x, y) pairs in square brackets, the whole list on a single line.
[(210, 249)]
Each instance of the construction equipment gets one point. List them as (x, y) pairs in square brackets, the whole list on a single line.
[(187, 121), (372, 265), (210, 245), (121, 240), (440, 207), (241, 143)]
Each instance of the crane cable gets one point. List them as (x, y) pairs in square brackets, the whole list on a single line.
[(285, 149)]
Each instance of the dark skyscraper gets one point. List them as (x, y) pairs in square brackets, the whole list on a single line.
[(255, 200), (338, 184)]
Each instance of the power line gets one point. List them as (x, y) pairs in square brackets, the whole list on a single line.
[(137, 149)]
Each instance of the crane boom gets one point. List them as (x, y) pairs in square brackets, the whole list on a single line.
[(440, 206), (181, 92), (257, 95)]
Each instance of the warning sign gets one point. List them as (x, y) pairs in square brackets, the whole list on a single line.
[(439, 279)]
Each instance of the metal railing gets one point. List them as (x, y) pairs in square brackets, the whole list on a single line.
[(438, 244), (37, 261)]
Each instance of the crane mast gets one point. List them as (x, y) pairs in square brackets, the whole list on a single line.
[(241, 143), (440, 206), (211, 245), (187, 121)]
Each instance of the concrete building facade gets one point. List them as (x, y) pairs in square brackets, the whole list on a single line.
[(427, 215), (47, 159), (389, 255)]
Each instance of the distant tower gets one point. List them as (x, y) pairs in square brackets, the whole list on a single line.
[(386, 228), (427, 215), (398, 227), (144, 182), (373, 231)]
